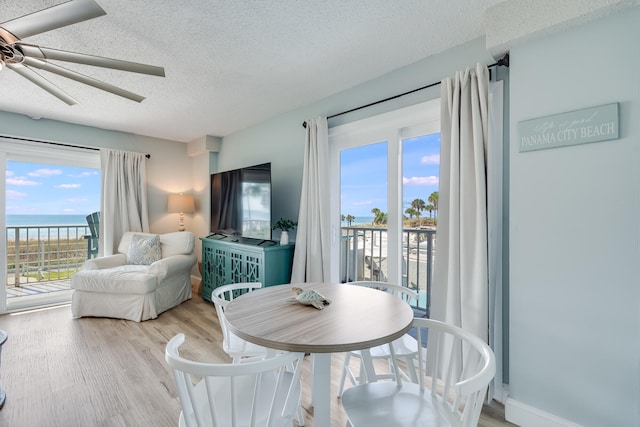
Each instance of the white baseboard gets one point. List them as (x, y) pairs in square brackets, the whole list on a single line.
[(524, 415), (501, 394)]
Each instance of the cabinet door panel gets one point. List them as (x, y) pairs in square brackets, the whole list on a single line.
[(229, 262), (207, 271), (220, 269), (253, 265)]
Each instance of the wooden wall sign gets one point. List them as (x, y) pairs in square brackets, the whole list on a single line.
[(572, 128)]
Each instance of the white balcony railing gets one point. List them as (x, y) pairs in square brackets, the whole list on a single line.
[(363, 256), (43, 254)]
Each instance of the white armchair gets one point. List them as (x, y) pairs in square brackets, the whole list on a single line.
[(133, 285)]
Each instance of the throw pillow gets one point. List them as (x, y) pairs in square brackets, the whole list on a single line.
[(144, 250)]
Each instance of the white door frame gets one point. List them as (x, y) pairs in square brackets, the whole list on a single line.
[(392, 127), (33, 152)]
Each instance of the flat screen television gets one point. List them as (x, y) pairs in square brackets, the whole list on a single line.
[(241, 202)]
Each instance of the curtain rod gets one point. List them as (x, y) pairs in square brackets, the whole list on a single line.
[(504, 61), (60, 144)]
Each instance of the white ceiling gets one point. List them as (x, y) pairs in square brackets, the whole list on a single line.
[(232, 63)]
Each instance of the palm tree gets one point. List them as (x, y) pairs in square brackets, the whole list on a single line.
[(383, 218), (412, 212), (419, 205), (350, 219), (430, 208), (433, 199), (379, 217), (376, 213)]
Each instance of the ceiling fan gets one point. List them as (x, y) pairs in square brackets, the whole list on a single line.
[(23, 57)]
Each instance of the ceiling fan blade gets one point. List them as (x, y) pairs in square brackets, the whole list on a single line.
[(61, 15), (39, 52), (56, 69), (45, 84)]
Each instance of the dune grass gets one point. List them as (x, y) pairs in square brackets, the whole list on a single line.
[(53, 253)]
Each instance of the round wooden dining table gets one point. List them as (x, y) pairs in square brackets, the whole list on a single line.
[(357, 318)]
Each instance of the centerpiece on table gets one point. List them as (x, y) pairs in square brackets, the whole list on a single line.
[(284, 225)]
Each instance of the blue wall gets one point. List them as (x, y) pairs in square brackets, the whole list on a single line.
[(575, 234), (280, 140)]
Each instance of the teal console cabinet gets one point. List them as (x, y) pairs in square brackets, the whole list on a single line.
[(228, 260)]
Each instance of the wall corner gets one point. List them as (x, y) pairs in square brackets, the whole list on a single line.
[(203, 145)]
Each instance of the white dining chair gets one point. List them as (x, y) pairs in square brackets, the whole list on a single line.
[(261, 392), (405, 347), (238, 349), (452, 382)]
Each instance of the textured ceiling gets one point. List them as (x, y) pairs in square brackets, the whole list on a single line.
[(232, 63)]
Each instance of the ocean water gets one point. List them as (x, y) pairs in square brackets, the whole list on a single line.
[(359, 220), (41, 220), (46, 227)]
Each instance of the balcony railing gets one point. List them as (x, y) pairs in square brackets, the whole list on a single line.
[(364, 257), (42, 254)]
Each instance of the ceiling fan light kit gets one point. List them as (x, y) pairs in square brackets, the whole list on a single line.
[(23, 57)]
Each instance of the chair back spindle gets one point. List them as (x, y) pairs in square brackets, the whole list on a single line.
[(257, 393), (454, 371), (235, 347)]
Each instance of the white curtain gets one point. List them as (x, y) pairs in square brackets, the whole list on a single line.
[(460, 281), (312, 254), (495, 237), (124, 197)]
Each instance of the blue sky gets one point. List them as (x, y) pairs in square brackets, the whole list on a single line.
[(34, 188), (363, 175), (40, 189)]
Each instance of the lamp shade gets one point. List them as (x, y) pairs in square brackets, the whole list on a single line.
[(181, 203)]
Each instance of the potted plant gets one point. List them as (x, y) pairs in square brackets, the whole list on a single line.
[(284, 225)]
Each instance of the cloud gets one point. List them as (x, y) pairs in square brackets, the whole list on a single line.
[(431, 159), (84, 174), (68, 210), (68, 186), (363, 203), (76, 199), (420, 180), (16, 195), (45, 172), (9, 173), (21, 181)]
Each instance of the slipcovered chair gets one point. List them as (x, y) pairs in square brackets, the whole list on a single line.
[(150, 274)]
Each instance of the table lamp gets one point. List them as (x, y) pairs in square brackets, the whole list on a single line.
[(181, 203)]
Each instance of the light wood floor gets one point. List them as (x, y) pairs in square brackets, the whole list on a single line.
[(59, 371)]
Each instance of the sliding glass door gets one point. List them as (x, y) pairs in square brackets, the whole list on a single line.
[(47, 194), (384, 183)]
